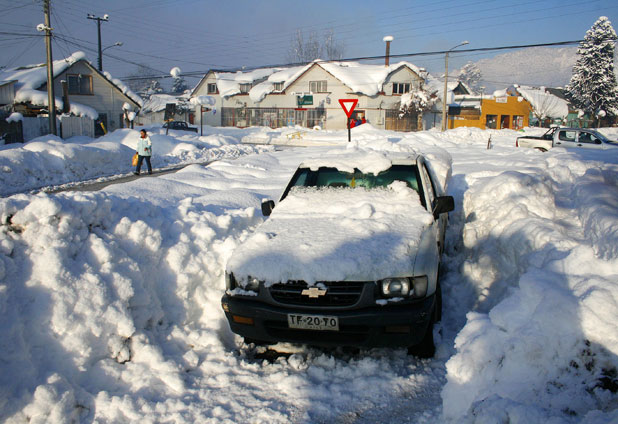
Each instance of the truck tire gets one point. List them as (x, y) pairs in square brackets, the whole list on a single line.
[(426, 348)]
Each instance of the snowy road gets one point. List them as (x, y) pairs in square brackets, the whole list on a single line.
[(110, 301)]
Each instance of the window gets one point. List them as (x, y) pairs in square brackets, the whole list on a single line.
[(401, 87), (491, 121), (278, 86), (245, 88), (317, 86), (566, 135), (316, 118), (80, 84), (212, 88), (332, 177)]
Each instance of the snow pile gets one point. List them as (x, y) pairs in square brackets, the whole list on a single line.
[(110, 301), (14, 117), (541, 342), (49, 160), (356, 235)]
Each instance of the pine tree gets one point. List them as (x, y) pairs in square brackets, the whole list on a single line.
[(179, 85), (593, 87)]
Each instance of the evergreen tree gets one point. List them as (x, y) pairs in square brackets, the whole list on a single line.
[(470, 75), (593, 87), (180, 85)]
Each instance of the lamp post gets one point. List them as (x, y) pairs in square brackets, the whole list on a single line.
[(116, 44), (463, 43), (105, 18)]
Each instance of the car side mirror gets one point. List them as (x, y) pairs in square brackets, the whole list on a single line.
[(597, 141), (442, 205), (267, 207)]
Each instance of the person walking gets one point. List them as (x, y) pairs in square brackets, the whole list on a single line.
[(144, 151)]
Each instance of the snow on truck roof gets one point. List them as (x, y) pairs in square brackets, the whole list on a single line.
[(366, 161)]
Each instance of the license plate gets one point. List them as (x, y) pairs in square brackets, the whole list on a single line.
[(313, 322)]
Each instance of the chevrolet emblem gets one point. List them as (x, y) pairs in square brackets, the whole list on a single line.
[(313, 292)]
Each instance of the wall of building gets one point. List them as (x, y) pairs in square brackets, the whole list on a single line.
[(505, 108), (373, 107), (106, 98)]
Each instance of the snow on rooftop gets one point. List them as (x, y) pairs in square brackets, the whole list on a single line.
[(157, 102), (361, 78), (544, 103), (31, 78)]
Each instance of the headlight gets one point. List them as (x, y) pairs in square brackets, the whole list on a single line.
[(404, 287), (395, 287), (230, 281), (253, 284), (248, 284)]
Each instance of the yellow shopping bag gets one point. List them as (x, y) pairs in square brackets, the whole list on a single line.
[(134, 161)]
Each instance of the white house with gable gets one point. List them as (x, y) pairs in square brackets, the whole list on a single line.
[(80, 90), (308, 96)]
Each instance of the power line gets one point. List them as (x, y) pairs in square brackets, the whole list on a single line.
[(365, 58)]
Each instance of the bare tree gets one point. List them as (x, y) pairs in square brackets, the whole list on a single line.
[(305, 48), (333, 48)]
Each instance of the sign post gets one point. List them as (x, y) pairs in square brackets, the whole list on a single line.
[(348, 106)]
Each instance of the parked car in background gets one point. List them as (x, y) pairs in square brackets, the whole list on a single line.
[(349, 257), (567, 137), (179, 125)]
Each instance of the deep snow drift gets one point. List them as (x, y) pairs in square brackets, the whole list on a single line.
[(109, 301)]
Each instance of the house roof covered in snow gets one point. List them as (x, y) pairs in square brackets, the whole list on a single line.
[(157, 102), (360, 78), (544, 103), (30, 79)]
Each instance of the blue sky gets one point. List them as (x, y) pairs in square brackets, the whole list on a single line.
[(197, 35)]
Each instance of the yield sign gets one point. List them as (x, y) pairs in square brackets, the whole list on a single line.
[(348, 105)]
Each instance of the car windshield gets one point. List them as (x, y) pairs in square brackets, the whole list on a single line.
[(332, 177), (604, 139)]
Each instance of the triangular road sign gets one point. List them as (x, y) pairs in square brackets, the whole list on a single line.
[(348, 105)]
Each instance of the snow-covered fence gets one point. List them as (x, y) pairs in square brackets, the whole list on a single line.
[(10, 132), (77, 125), (36, 126)]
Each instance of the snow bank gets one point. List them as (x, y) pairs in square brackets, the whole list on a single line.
[(49, 160), (541, 344), (109, 301)]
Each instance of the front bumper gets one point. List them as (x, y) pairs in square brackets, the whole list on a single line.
[(392, 325)]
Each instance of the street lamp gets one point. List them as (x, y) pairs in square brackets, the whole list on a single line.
[(463, 43), (116, 44)]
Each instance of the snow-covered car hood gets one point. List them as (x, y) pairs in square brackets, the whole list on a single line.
[(336, 234)]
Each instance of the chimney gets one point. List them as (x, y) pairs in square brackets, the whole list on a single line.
[(387, 40)]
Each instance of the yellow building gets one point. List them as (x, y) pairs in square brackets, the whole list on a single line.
[(490, 112)]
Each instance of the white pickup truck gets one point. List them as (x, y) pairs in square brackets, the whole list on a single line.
[(569, 138)]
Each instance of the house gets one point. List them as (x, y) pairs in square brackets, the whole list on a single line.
[(154, 109), (80, 91), (502, 109), (433, 117), (309, 95)]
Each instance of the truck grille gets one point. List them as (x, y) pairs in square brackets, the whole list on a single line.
[(338, 293)]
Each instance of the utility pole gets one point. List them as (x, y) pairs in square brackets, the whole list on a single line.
[(444, 106), (105, 18), (51, 99)]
